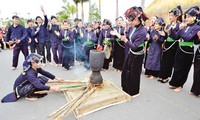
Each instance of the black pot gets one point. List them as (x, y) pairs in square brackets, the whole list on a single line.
[(96, 60), (96, 64)]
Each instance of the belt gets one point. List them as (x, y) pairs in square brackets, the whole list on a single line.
[(117, 39), (65, 39), (79, 37), (141, 52), (189, 44), (169, 39), (141, 45), (89, 43), (106, 42)]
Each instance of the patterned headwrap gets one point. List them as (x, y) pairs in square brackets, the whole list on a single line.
[(33, 57), (135, 12)]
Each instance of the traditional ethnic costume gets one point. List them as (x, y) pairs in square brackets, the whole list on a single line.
[(133, 64)]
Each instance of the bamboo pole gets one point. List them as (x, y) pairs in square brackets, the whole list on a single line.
[(64, 88), (68, 81), (59, 111), (76, 104)]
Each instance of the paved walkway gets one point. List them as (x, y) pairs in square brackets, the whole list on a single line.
[(156, 102)]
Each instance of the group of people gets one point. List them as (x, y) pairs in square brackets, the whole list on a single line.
[(165, 51)]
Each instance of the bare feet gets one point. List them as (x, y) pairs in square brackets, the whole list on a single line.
[(152, 78), (31, 98), (178, 89), (191, 93), (147, 76), (172, 87)]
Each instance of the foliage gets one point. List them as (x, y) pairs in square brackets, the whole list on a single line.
[(94, 13), (66, 12)]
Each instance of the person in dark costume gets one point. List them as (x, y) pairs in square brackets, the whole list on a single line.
[(156, 39), (78, 32), (171, 45), (29, 82), (41, 33), (54, 32), (185, 52), (105, 40), (134, 39), (195, 90), (89, 39), (68, 46), (17, 38), (147, 43), (32, 43), (118, 46)]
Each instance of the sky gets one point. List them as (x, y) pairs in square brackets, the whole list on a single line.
[(31, 8)]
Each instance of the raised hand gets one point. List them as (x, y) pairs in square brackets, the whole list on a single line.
[(42, 9)]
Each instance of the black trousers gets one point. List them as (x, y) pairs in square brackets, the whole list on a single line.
[(196, 76), (42, 47), (182, 65), (118, 55), (16, 51), (167, 61), (34, 48)]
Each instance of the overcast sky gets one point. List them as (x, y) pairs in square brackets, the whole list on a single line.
[(31, 8)]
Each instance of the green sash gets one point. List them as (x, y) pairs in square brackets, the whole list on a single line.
[(189, 44), (141, 45), (89, 43), (79, 38), (117, 39), (65, 39), (106, 42), (170, 39)]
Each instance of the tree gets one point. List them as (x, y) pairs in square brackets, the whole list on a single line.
[(117, 8), (89, 9), (100, 8), (62, 15), (67, 11), (76, 3), (82, 8), (94, 13)]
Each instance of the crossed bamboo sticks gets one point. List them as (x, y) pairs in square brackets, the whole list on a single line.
[(72, 105)]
